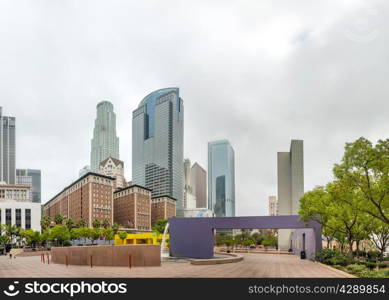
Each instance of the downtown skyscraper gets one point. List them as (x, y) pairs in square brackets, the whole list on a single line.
[(7, 149), (31, 178), (105, 142), (199, 184), (221, 178), (158, 145), (290, 173)]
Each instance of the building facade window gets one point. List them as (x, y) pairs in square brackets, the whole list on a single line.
[(28, 218), (18, 217), (8, 216)]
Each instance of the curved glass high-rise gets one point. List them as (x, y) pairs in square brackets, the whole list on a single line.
[(158, 144), (105, 143)]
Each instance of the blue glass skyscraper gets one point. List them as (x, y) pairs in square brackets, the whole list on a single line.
[(221, 178), (158, 145)]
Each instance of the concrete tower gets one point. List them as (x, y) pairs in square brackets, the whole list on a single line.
[(290, 170)]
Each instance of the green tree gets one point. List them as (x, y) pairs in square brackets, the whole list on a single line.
[(115, 228), (95, 234), (108, 234), (380, 236), (365, 169), (58, 219), (31, 237), (69, 223), (75, 234), (122, 235), (44, 237), (13, 232), (45, 223), (59, 234), (330, 207), (105, 223), (159, 226), (81, 223), (85, 233), (4, 240), (96, 223), (257, 238)]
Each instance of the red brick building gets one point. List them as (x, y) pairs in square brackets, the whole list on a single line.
[(89, 198), (132, 208), (162, 208)]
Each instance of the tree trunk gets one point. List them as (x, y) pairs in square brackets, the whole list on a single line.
[(350, 244), (357, 242)]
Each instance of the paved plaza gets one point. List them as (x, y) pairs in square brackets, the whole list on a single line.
[(253, 265)]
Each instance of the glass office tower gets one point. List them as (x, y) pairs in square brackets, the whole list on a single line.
[(221, 178), (158, 145), (31, 178), (7, 149), (105, 143)]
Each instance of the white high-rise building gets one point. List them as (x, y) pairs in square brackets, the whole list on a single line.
[(105, 142), (290, 170), (7, 149), (189, 197), (158, 145)]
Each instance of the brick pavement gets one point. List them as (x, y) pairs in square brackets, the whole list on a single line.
[(253, 265)]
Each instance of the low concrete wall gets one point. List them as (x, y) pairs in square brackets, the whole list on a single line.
[(32, 253), (216, 261), (108, 255)]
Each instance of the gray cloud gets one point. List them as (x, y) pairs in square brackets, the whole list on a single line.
[(258, 73)]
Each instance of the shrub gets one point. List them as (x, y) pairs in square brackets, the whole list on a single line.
[(356, 269), (333, 257), (370, 265), (67, 244), (382, 265), (373, 256)]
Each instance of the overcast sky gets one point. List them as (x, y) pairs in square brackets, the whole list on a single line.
[(257, 73)]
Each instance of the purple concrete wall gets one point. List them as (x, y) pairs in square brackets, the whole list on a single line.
[(193, 237), (310, 243)]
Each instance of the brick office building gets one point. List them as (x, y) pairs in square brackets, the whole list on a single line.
[(162, 208), (89, 198), (132, 208)]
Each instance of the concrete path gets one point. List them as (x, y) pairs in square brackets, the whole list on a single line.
[(253, 265)]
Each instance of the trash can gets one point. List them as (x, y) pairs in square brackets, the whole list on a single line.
[(303, 255)]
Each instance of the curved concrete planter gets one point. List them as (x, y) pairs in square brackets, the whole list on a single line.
[(216, 261)]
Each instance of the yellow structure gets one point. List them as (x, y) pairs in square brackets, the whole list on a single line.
[(149, 238)]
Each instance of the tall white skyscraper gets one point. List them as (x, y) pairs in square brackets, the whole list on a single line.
[(104, 143), (290, 170), (158, 145), (7, 149), (221, 178)]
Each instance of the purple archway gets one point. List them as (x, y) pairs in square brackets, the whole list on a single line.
[(193, 237)]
